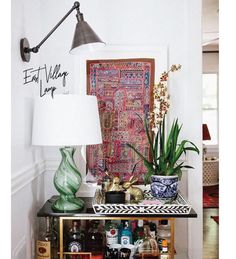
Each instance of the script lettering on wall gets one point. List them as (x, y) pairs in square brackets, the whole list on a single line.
[(42, 76)]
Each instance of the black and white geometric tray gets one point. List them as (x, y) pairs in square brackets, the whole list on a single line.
[(149, 205)]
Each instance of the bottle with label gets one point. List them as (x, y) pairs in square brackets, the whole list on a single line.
[(46, 242), (75, 241), (126, 237), (164, 252), (163, 232), (111, 229), (149, 244), (163, 228), (139, 233), (94, 239), (134, 224), (164, 245), (153, 229)]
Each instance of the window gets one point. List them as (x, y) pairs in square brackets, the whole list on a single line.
[(210, 106)]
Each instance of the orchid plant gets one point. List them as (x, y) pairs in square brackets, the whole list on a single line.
[(165, 150)]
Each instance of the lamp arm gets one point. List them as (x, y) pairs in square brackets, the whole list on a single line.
[(36, 48)]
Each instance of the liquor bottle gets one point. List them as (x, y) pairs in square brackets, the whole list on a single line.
[(133, 225), (139, 233), (164, 246), (146, 223), (75, 241), (111, 229), (149, 244), (153, 229), (94, 239), (46, 241), (163, 232), (126, 237), (164, 252)]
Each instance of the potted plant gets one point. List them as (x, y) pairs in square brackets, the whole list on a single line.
[(163, 166)]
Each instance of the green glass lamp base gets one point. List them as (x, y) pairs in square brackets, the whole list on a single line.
[(67, 180), (68, 203)]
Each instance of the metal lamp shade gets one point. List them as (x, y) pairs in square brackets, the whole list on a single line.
[(84, 34)]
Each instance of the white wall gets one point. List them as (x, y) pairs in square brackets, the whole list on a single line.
[(27, 162), (174, 24), (193, 124)]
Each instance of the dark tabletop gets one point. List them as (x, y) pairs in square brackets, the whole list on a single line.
[(88, 211)]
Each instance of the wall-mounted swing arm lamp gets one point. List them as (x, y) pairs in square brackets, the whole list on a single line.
[(84, 34)]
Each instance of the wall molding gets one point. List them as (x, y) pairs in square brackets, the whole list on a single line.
[(52, 164), (27, 175), (18, 250)]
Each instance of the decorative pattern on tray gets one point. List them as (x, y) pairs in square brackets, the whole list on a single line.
[(123, 88), (150, 205)]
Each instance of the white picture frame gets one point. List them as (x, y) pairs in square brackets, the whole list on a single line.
[(158, 53)]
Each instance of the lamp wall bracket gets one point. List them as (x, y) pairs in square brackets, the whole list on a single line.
[(24, 43), (24, 46)]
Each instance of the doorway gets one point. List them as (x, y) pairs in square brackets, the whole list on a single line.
[(210, 128)]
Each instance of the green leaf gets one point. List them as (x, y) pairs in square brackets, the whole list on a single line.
[(196, 148), (156, 141), (169, 144), (179, 152), (187, 166), (149, 138), (150, 172), (137, 152), (179, 173), (178, 167), (162, 137), (191, 149), (174, 141)]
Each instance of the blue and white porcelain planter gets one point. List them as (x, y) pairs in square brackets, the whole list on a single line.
[(164, 187)]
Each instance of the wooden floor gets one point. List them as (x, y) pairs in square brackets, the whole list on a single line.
[(210, 234)]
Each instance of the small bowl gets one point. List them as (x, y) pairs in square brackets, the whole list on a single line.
[(115, 197)]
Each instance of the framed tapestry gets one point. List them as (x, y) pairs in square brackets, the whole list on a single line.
[(124, 90)]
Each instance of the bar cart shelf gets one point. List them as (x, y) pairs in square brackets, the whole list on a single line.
[(88, 214)]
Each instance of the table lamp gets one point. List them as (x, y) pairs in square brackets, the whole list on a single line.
[(66, 121), (205, 136)]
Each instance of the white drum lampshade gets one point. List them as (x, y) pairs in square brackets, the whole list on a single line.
[(66, 120)]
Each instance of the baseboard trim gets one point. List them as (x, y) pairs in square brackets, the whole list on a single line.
[(27, 175)]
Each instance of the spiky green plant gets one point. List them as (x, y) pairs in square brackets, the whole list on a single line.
[(165, 151)]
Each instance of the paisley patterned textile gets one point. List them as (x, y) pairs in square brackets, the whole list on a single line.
[(123, 88)]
